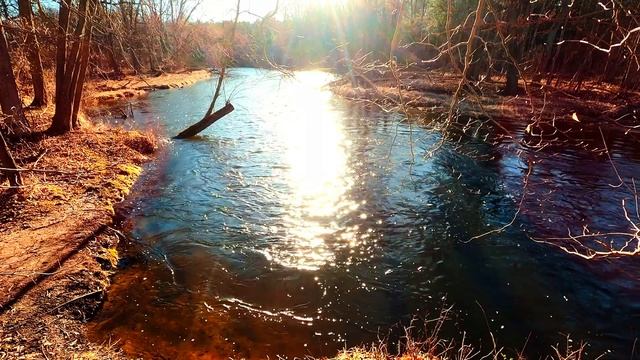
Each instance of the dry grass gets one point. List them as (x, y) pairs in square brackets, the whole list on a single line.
[(422, 93), (419, 350), (432, 346)]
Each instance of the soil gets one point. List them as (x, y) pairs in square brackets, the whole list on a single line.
[(48, 322)]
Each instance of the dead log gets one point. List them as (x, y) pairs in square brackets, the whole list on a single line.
[(196, 128)]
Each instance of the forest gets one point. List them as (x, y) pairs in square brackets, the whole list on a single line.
[(552, 86)]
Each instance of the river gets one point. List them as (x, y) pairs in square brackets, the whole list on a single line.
[(301, 224)]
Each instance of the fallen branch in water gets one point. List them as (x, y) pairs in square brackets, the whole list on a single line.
[(196, 128), (210, 117)]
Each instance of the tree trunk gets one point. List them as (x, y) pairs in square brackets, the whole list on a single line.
[(113, 59), (7, 162), (71, 81), (10, 102), (84, 64), (135, 61), (33, 54), (60, 124)]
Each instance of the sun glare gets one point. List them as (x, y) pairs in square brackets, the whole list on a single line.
[(317, 175), (297, 6)]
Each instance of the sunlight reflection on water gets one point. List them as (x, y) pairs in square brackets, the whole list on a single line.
[(317, 173)]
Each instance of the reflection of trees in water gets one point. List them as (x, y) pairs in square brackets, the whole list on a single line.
[(576, 198)]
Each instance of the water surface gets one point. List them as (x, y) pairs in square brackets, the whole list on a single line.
[(300, 225)]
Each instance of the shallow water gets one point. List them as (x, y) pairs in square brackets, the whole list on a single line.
[(300, 224)]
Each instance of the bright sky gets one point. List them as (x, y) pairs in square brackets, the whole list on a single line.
[(218, 10)]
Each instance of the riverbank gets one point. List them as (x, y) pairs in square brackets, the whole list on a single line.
[(57, 246), (423, 93), (130, 86)]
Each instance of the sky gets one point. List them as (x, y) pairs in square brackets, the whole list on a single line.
[(219, 10)]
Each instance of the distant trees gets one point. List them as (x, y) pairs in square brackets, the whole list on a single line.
[(145, 35), (552, 41)]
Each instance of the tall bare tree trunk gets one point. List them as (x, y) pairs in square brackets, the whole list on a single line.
[(10, 102), (33, 54), (85, 50), (60, 124), (71, 69)]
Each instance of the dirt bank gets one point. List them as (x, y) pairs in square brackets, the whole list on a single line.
[(57, 244), (48, 322), (110, 90), (57, 247)]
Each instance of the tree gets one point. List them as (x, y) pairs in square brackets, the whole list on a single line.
[(10, 102), (71, 65), (210, 116), (8, 164), (11, 105), (33, 54)]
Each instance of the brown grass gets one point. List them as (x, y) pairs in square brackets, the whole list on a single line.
[(432, 346)]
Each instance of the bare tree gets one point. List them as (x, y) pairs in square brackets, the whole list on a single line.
[(71, 65), (10, 102), (11, 105), (210, 116), (33, 54)]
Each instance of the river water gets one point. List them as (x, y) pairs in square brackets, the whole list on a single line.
[(301, 224)]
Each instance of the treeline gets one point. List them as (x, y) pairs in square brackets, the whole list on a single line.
[(546, 40)]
